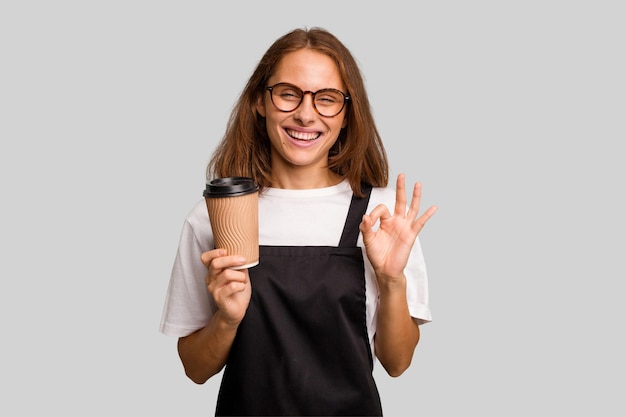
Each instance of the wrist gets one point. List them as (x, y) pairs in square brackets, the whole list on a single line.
[(389, 285), (223, 323)]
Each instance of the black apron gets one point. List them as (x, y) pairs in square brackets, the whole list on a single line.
[(302, 348)]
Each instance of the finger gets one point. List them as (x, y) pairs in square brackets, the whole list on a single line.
[(223, 292), (380, 212), (228, 261), (208, 256), (235, 287), (415, 201), (400, 208), (225, 278), (366, 224), (421, 220)]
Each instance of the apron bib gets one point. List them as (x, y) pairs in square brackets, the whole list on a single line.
[(302, 348)]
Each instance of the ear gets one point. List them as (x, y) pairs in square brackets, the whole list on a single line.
[(260, 104), (345, 122)]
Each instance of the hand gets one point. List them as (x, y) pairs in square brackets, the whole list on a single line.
[(389, 247), (230, 288)]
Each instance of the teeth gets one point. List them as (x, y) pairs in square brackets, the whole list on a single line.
[(303, 135)]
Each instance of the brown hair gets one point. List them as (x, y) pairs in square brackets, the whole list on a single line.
[(358, 154)]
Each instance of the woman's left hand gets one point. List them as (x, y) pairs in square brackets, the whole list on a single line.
[(388, 248)]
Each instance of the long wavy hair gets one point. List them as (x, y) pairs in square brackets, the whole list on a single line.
[(358, 154)]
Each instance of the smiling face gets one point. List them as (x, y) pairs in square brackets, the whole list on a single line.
[(301, 139)]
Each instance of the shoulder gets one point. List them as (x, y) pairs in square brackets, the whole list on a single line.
[(198, 215), (197, 225)]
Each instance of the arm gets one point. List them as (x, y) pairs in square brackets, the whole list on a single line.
[(397, 333), (204, 352), (388, 250)]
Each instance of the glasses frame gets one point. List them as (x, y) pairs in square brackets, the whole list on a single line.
[(346, 98)]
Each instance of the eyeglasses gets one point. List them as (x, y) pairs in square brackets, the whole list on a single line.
[(328, 102)]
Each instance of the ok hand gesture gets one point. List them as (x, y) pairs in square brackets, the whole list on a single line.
[(388, 248)]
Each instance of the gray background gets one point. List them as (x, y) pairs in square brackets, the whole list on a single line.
[(511, 114)]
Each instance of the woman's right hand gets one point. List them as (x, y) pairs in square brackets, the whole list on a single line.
[(230, 288)]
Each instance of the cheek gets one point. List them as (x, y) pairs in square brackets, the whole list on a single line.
[(272, 123), (344, 121), (272, 126)]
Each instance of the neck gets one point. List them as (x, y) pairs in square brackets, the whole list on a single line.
[(305, 180)]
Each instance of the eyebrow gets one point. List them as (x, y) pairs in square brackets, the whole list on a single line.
[(312, 91)]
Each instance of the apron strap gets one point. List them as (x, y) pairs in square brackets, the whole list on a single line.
[(358, 207)]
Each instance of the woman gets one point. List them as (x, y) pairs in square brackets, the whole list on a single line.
[(298, 334)]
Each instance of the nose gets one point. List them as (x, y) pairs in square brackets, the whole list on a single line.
[(305, 112)]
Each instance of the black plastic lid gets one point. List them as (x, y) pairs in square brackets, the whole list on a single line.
[(229, 187)]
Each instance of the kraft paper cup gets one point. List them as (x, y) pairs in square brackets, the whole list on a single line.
[(233, 207)]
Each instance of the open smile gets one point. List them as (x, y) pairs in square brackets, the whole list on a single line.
[(305, 136)]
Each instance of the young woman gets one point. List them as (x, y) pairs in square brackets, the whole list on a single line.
[(341, 280)]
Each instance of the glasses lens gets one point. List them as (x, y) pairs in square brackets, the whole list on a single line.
[(286, 97), (328, 102)]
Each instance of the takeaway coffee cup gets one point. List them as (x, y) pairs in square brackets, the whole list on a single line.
[(233, 203)]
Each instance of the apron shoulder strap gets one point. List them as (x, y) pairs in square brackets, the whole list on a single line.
[(358, 207)]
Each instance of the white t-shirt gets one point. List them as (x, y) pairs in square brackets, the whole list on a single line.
[(312, 217)]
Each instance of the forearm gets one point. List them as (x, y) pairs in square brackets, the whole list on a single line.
[(204, 352), (397, 333)]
